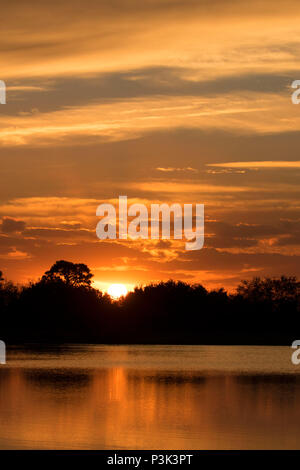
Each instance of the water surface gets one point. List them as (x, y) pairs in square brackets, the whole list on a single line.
[(150, 397)]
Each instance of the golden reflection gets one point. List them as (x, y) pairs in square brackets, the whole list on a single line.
[(121, 406)]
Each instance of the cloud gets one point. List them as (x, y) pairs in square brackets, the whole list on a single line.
[(15, 254), (171, 169), (132, 118), (185, 187), (65, 92), (268, 164), (242, 236), (147, 33), (10, 225), (136, 98)]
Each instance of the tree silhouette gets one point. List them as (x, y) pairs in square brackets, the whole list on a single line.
[(8, 292), (63, 307), (72, 274), (270, 290)]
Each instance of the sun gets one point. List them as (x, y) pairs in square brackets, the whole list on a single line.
[(116, 291)]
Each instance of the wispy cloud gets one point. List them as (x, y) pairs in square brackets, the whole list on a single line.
[(128, 119), (253, 165), (170, 169)]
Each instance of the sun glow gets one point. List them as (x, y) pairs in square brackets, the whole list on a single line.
[(117, 290)]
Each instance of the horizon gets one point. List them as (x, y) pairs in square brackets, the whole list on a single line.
[(125, 289)]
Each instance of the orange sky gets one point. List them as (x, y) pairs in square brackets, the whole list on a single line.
[(162, 100)]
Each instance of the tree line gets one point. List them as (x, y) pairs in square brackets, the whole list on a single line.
[(62, 306)]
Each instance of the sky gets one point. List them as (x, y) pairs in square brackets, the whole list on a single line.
[(163, 101)]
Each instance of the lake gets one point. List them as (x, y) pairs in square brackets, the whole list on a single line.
[(150, 397)]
